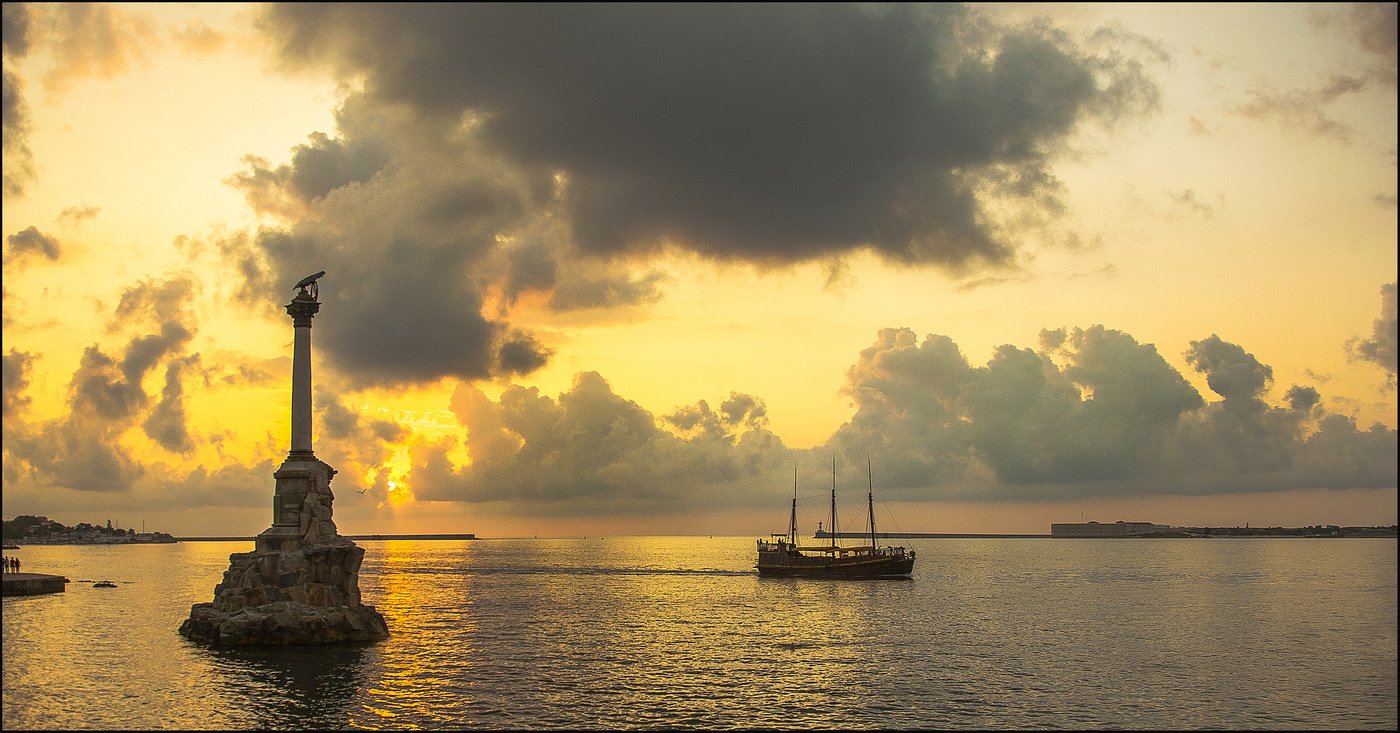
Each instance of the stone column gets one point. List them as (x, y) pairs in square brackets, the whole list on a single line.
[(302, 474), (302, 309)]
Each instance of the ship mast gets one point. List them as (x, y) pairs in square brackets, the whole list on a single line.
[(832, 529), (792, 525), (870, 498)]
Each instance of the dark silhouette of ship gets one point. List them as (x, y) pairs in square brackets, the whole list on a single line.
[(780, 555)]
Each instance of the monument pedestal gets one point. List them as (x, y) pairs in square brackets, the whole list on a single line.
[(300, 585)]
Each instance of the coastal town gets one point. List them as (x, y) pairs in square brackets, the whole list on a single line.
[(31, 530)]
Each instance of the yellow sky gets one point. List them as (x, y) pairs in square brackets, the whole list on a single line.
[(1262, 224)]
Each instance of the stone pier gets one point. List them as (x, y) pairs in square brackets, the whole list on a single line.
[(32, 584), (300, 584)]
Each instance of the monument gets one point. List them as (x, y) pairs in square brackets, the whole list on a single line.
[(300, 584)]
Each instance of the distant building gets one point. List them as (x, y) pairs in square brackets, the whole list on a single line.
[(1117, 529)]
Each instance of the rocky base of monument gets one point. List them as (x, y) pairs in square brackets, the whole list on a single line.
[(284, 623), (306, 596)]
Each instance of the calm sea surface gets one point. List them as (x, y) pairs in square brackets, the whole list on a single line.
[(679, 632)]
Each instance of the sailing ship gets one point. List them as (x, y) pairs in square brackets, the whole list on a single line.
[(781, 555)]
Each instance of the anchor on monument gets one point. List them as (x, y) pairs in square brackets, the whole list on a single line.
[(300, 584)]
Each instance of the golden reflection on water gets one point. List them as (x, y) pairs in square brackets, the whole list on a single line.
[(424, 591)]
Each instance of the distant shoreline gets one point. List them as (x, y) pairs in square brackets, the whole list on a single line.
[(459, 536)]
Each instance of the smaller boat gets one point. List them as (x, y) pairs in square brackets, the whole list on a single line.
[(780, 555), (104, 584)]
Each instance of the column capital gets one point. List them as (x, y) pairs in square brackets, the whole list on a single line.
[(302, 309)]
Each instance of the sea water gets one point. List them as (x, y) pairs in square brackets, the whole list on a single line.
[(680, 632)]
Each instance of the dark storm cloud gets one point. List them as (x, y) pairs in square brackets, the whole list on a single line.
[(31, 241), (521, 353), (574, 284), (501, 151), (1380, 348), (765, 132), (408, 252), (14, 112), (410, 314)]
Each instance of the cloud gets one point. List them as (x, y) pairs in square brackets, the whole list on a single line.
[(1302, 398), (1375, 27), (1089, 412), (17, 367), (86, 40), (778, 133), (78, 40), (166, 424), (1093, 412), (1230, 371), (197, 37), (1188, 201), (14, 111), (500, 155), (409, 256), (84, 449), (1372, 27), (79, 214), (1304, 108), (1380, 348), (356, 445), (593, 452), (31, 241)]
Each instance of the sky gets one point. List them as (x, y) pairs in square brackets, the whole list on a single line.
[(625, 269)]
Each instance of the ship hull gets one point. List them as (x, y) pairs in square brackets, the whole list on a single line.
[(800, 566)]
